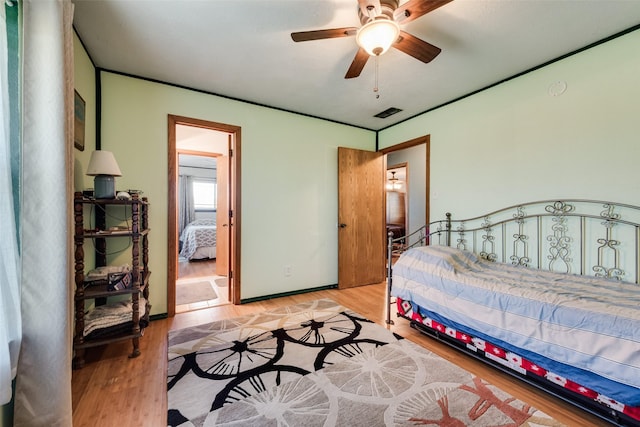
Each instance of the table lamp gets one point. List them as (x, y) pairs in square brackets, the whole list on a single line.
[(104, 167)]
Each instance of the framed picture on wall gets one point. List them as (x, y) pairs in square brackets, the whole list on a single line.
[(78, 121)]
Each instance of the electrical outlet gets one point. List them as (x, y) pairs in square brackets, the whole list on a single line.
[(287, 270)]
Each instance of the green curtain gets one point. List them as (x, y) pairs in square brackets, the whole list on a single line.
[(10, 138), (13, 44)]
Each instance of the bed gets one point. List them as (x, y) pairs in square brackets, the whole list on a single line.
[(198, 240), (546, 291)]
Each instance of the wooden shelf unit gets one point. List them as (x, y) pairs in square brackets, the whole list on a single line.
[(137, 231)]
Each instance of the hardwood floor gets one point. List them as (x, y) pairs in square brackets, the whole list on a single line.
[(112, 390), (199, 270)]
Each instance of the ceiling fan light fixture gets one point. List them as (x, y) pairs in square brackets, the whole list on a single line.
[(377, 35), (393, 183)]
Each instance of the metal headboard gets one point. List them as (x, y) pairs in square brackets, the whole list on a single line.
[(579, 236)]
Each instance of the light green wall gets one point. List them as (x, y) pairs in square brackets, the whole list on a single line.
[(84, 84), (288, 179), (516, 142), (508, 144)]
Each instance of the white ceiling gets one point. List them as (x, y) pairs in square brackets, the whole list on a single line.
[(192, 138), (200, 162), (242, 49)]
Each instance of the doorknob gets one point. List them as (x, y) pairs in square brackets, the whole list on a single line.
[(342, 225)]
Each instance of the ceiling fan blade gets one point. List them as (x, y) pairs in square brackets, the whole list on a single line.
[(415, 47), (304, 36), (358, 64), (365, 5), (414, 9)]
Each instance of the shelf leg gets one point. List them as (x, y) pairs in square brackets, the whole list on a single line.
[(136, 348), (78, 361)]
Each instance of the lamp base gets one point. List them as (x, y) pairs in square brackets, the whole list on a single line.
[(104, 187)]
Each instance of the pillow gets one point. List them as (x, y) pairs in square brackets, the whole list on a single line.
[(445, 257)]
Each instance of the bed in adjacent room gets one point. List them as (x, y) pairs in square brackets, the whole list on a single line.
[(198, 240), (547, 291)]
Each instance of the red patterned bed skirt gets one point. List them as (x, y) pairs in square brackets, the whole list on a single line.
[(513, 361)]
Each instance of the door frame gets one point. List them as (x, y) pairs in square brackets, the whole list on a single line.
[(234, 206)]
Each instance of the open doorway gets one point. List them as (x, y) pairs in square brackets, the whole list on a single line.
[(396, 188), (361, 181), (410, 162), (201, 282), (203, 215)]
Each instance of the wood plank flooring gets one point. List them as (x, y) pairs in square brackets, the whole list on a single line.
[(192, 271), (113, 390), (197, 268)]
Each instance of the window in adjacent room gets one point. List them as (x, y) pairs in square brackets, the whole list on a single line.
[(204, 195)]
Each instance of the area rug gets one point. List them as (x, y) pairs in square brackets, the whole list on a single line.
[(188, 293), (221, 281), (320, 364)]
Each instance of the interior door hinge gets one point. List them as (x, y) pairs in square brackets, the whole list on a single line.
[(230, 152), (230, 274), (230, 213)]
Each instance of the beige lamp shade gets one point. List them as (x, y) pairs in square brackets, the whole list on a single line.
[(103, 163), (104, 167)]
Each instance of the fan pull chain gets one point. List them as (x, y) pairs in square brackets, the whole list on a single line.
[(375, 86)]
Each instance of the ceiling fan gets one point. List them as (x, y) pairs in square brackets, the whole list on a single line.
[(380, 30)]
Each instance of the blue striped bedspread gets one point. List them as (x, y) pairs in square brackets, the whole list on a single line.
[(586, 322)]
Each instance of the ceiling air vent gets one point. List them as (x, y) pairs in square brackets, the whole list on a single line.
[(388, 112)]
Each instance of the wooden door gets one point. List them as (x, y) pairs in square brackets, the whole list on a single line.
[(361, 218), (222, 217)]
